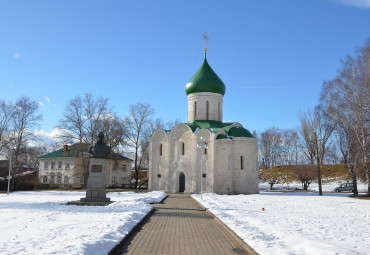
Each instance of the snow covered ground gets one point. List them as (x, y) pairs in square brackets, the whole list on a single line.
[(40, 223), (295, 222), (292, 222)]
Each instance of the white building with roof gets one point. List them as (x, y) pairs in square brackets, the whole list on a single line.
[(205, 154), (68, 168)]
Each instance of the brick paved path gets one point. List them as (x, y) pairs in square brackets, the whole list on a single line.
[(180, 226)]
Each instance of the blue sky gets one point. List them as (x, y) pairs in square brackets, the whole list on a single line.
[(272, 55)]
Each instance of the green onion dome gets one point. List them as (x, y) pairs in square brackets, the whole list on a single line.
[(205, 80)]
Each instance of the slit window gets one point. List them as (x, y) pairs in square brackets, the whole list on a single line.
[(241, 162), (219, 112), (160, 150), (182, 148), (207, 110), (195, 110)]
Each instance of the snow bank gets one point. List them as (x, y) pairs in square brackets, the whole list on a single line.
[(40, 223), (295, 222), (328, 187)]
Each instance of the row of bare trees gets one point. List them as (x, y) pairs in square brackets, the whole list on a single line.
[(279, 147), (84, 117), (335, 130)]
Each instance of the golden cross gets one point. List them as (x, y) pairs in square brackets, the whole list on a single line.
[(206, 38)]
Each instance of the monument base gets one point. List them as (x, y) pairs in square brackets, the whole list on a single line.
[(95, 199), (90, 203)]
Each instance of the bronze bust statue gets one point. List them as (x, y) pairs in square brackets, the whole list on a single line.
[(100, 149)]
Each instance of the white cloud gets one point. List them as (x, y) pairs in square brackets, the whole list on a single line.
[(357, 3), (47, 99), (47, 138), (41, 104)]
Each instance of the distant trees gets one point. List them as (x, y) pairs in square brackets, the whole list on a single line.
[(16, 122), (270, 143), (279, 146)]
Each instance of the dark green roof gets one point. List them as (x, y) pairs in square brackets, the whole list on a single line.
[(75, 149), (214, 126), (221, 136), (72, 151), (239, 132), (205, 80)]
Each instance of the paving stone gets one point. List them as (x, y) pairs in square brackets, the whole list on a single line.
[(180, 226)]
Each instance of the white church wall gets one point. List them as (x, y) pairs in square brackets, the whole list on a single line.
[(215, 102), (181, 163), (158, 161), (204, 162), (222, 167), (245, 178)]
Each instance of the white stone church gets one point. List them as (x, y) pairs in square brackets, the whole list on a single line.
[(205, 154)]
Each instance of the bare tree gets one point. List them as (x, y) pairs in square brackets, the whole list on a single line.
[(346, 99), (82, 120), (315, 127), (114, 131), (82, 117), (6, 115), (316, 130), (137, 124), (25, 118), (290, 147), (305, 174), (273, 176)]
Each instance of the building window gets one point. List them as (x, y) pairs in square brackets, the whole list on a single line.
[(59, 165), (52, 165), (205, 149), (66, 180), (160, 150), (67, 165), (45, 179), (82, 180), (114, 167), (46, 166), (207, 110), (59, 178), (124, 168), (52, 178), (113, 180), (219, 112), (122, 180), (182, 148), (195, 110), (241, 162)]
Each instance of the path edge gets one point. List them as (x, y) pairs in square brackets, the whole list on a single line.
[(134, 229), (229, 230)]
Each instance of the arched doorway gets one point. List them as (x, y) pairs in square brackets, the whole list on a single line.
[(181, 182)]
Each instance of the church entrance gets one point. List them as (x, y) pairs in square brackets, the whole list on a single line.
[(182, 182)]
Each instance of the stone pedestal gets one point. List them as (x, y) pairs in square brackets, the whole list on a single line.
[(96, 191)]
